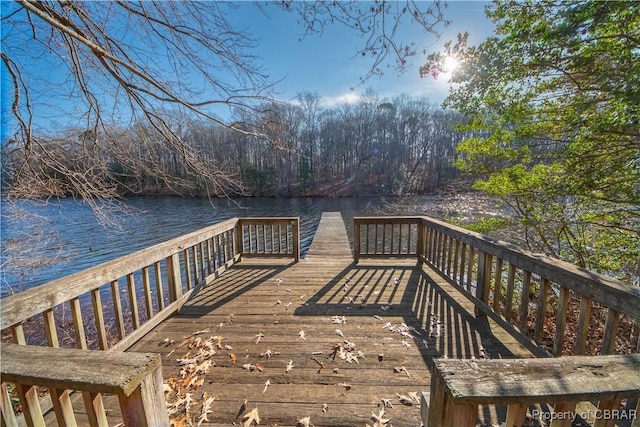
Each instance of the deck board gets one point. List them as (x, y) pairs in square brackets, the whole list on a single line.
[(331, 240), (277, 299)]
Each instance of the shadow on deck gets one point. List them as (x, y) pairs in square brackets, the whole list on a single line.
[(354, 334)]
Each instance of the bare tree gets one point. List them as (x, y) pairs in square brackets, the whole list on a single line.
[(124, 61), (124, 64), (378, 23)]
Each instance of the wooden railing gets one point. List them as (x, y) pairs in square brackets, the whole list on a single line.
[(383, 237), (112, 305), (135, 378), (269, 237), (524, 292), (572, 384)]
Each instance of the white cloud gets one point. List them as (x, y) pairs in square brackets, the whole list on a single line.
[(350, 97)]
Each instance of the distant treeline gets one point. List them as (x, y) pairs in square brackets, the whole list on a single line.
[(372, 147)]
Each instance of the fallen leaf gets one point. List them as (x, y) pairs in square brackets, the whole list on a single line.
[(339, 333), (233, 357), (401, 369), (405, 400), (251, 417), (258, 337), (325, 407), (178, 421), (166, 342), (266, 354), (304, 422), (386, 403), (266, 386), (379, 420), (302, 335), (289, 366), (205, 410), (341, 320)]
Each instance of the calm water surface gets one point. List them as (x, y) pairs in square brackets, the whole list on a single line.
[(47, 241)]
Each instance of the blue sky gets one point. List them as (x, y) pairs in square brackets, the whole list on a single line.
[(325, 63)]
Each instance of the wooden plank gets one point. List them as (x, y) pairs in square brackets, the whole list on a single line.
[(583, 325), (73, 369), (330, 239), (561, 320), (563, 407), (6, 408), (243, 303), (610, 332), (574, 378)]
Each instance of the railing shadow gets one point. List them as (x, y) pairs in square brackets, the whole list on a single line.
[(239, 279), (441, 324)]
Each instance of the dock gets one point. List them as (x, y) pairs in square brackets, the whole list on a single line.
[(330, 240), (227, 326), (396, 316)]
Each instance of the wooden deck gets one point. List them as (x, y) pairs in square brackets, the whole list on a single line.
[(353, 336)]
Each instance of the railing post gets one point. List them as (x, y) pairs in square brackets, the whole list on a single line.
[(356, 240), (239, 241), (420, 241), (442, 412), (483, 285), (145, 406), (295, 224), (174, 277)]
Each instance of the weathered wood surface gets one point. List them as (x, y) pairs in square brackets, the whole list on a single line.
[(331, 240), (279, 300), (612, 293), (576, 378), (62, 368)]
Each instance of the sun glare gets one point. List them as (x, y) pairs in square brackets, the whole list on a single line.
[(450, 64)]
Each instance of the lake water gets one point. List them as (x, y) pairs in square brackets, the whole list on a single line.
[(47, 241)]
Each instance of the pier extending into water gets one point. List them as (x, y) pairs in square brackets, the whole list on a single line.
[(228, 324)]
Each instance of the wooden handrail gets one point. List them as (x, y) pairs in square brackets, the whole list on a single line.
[(504, 280), (459, 386), (139, 290), (136, 378), (23, 305), (269, 237)]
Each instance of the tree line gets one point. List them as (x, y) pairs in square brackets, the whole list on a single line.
[(371, 147)]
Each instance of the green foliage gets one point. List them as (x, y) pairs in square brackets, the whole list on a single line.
[(305, 174), (259, 182), (489, 224), (553, 103)]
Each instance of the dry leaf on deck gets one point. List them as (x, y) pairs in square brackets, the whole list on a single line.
[(251, 417), (304, 422), (379, 420), (405, 400), (178, 421), (206, 410), (386, 403), (289, 366), (266, 386), (302, 335)]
